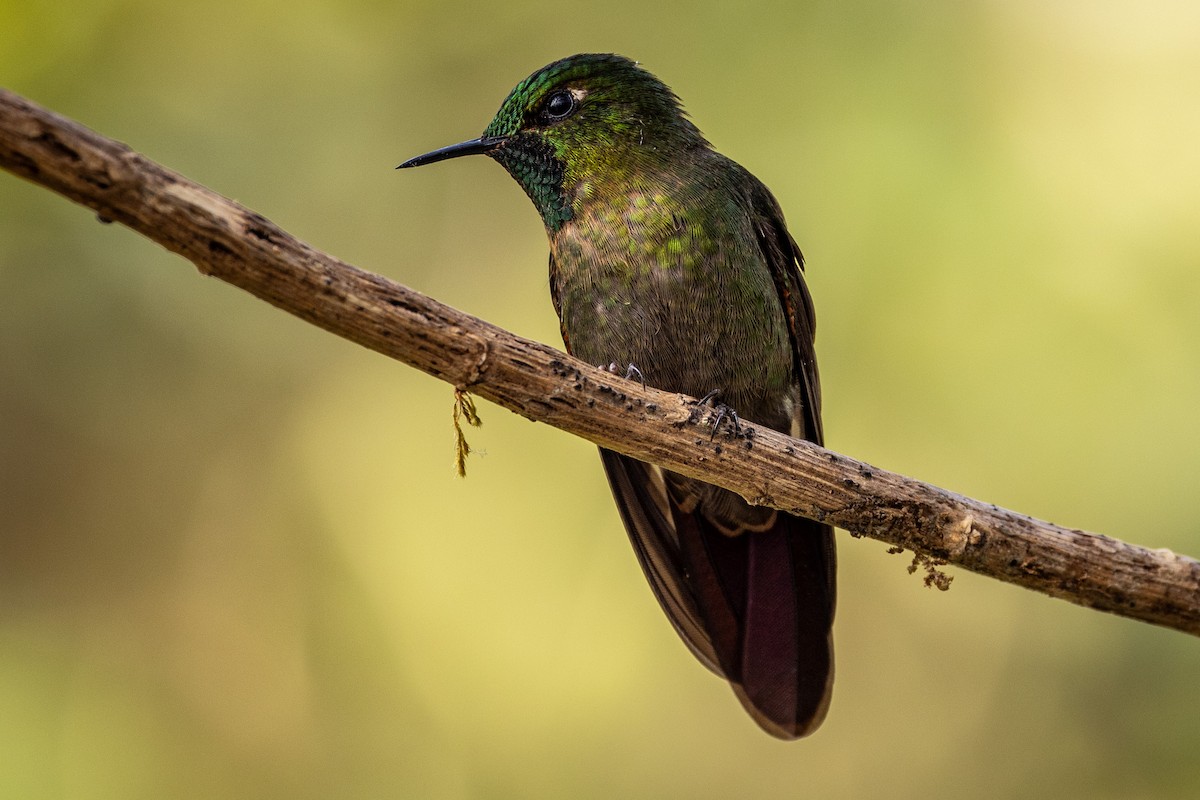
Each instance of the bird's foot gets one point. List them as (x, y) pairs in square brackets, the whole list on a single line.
[(719, 413), (631, 372)]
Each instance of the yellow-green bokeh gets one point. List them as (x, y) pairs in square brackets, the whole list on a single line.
[(235, 560)]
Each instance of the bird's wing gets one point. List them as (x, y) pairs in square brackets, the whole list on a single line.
[(641, 497), (785, 261)]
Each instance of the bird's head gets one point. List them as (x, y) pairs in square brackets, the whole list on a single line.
[(579, 125)]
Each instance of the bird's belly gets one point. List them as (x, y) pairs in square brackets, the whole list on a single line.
[(691, 333)]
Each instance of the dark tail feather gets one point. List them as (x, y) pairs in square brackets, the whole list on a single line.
[(787, 649), (778, 585), (757, 607)]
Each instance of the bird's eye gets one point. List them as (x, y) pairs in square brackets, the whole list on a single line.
[(559, 105)]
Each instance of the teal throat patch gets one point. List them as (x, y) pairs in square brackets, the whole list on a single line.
[(532, 162)]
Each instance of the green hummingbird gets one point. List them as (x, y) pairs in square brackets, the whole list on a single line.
[(669, 258)]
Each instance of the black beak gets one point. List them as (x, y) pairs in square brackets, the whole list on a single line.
[(484, 144)]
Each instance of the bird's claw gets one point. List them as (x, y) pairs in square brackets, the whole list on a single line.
[(631, 372), (720, 413)]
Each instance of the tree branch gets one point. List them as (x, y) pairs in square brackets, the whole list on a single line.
[(230, 242)]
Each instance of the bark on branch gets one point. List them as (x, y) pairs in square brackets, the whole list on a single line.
[(233, 243)]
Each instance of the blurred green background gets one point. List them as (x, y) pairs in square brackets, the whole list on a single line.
[(235, 560)]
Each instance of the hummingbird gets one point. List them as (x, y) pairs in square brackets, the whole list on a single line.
[(671, 259)]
